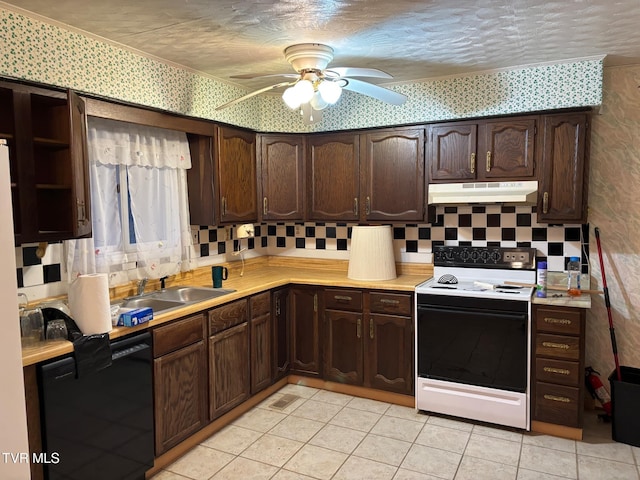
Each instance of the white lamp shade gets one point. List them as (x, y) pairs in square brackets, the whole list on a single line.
[(330, 91), (304, 90), (317, 102), (371, 257), (290, 98)]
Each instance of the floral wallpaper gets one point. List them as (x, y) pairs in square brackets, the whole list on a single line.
[(48, 54)]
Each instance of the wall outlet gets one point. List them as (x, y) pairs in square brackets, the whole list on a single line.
[(298, 230), (227, 233)]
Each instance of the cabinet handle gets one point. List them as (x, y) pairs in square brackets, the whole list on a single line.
[(561, 371), (473, 162), (557, 321), (556, 398), (388, 301), (315, 302), (278, 306), (545, 202), (488, 160), (562, 346), (359, 328), (264, 205), (367, 206), (371, 329), (224, 206), (355, 206), (82, 213), (342, 298)]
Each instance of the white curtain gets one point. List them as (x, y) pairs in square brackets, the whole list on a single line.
[(139, 203)]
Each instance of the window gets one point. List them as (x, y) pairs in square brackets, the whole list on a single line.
[(139, 203)]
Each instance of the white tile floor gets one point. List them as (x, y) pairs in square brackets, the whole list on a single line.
[(325, 435)]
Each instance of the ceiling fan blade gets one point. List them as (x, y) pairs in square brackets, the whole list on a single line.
[(249, 76), (309, 114), (381, 93), (359, 72), (254, 93)]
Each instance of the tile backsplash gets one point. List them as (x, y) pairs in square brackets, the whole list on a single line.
[(490, 225)]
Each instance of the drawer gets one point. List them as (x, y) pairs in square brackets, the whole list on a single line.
[(260, 304), (558, 346), (178, 334), (564, 321), (340, 299), (227, 316), (557, 404), (558, 371), (399, 303)]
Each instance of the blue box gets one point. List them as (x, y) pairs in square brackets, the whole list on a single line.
[(135, 317)]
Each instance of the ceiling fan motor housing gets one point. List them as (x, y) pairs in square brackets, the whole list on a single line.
[(308, 56)]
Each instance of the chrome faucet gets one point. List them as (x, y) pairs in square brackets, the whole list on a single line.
[(141, 284)]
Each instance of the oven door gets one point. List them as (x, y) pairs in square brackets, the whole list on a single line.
[(473, 341)]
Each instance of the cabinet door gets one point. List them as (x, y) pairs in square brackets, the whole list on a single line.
[(260, 340), (281, 177), (393, 175), (202, 200), (50, 165), (281, 333), (343, 353), (333, 166), (389, 353), (180, 395), (452, 152), (305, 331), (562, 194), (229, 382), (508, 147), (236, 175)]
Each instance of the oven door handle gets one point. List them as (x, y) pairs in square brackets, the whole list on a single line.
[(453, 310)]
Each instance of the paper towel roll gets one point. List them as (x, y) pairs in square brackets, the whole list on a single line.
[(89, 303)]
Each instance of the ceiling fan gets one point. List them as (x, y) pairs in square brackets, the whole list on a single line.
[(314, 87)]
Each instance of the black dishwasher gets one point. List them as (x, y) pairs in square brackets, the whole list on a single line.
[(99, 426)]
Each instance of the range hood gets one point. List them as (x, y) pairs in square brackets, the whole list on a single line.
[(483, 192)]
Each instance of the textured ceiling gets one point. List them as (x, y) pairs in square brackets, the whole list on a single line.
[(411, 40)]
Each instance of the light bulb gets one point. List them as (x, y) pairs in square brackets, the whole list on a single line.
[(291, 98), (304, 90), (330, 91), (318, 102)]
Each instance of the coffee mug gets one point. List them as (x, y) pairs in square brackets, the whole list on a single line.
[(219, 274)]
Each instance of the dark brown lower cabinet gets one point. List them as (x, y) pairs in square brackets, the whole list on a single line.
[(281, 349), (389, 353), (558, 365), (180, 381), (369, 339), (229, 359), (260, 340), (305, 331)]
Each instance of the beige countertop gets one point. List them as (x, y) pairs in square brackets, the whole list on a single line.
[(260, 274)]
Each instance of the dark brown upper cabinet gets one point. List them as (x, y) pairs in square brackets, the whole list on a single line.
[(506, 149), (47, 137), (484, 150), (235, 177), (393, 181), (333, 177), (562, 193), (452, 152), (281, 177)]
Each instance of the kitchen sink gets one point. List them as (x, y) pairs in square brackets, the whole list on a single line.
[(190, 294), (156, 304), (175, 297)]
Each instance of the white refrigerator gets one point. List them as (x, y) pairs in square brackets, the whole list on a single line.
[(13, 419)]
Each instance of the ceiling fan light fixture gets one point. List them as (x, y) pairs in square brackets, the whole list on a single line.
[(330, 91), (304, 90), (318, 102), (290, 98)]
